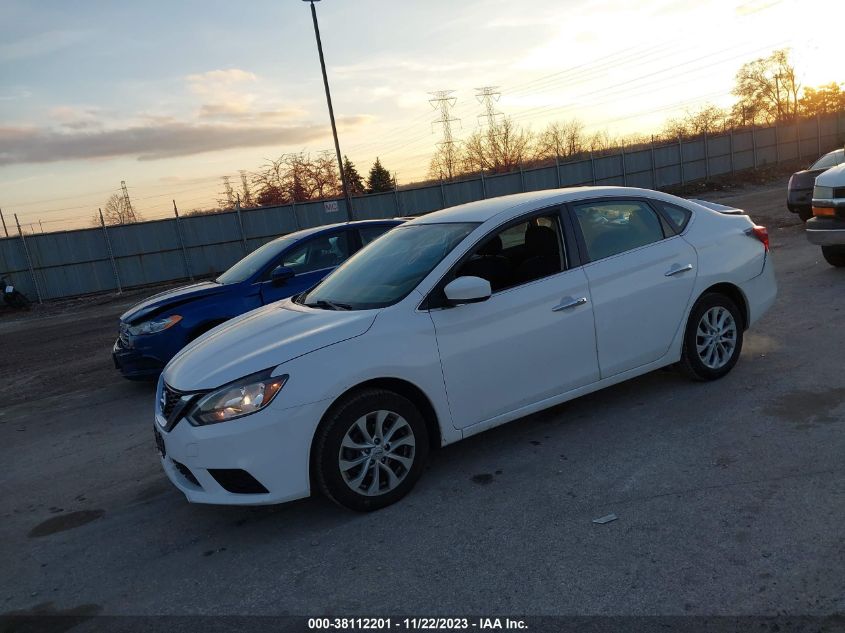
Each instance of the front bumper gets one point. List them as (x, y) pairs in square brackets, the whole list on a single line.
[(134, 363), (826, 231), (272, 447)]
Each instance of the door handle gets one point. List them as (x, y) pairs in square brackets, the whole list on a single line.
[(569, 302), (678, 269)]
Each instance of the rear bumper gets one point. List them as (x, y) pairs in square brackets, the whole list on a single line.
[(761, 291), (826, 231), (799, 198)]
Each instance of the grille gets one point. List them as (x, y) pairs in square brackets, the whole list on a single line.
[(169, 400)]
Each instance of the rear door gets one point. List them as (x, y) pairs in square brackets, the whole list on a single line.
[(310, 259), (641, 276)]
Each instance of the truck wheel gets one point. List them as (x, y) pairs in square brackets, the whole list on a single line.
[(835, 255)]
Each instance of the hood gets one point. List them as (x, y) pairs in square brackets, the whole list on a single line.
[(263, 338), (169, 299), (833, 177), (804, 179)]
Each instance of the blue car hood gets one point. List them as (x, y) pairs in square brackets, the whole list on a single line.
[(260, 339), (171, 298)]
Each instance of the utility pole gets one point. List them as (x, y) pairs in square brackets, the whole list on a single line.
[(488, 96), (443, 101), (130, 211), (2, 219), (349, 214)]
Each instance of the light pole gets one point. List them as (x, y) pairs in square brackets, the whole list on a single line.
[(331, 112)]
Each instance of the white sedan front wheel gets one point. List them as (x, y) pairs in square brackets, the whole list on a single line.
[(370, 450)]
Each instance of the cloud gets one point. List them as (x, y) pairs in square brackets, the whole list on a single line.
[(27, 144), (213, 82)]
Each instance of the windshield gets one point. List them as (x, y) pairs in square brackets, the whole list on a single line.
[(829, 160), (388, 269), (255, 261)]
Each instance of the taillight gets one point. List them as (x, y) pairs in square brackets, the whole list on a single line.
[(761, 233)]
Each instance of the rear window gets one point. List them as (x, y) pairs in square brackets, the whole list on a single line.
[(678, 216)]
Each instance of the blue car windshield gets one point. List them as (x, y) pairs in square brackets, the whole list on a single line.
[(387, 269), (255, 261)]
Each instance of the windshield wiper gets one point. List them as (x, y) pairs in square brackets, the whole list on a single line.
[(329, 305)]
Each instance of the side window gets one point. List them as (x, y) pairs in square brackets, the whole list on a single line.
[(520, 253), (369, 233), (678, 217), (611, 227), (323, 251)]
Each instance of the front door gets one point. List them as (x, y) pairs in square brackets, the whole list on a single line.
[(531, 340), (311, 259)]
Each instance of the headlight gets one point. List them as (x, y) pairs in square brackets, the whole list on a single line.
[(237, 399), (157, 325)]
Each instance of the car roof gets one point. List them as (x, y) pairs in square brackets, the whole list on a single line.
[(297, 235), (515, 204)]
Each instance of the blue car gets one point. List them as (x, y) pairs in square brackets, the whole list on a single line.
[(153, 331)]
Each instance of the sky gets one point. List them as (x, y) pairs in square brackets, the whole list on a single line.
[(171, 95)]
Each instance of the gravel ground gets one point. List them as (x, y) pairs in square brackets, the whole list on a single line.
[(730, 496)]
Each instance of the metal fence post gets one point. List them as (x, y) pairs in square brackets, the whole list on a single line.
[(798, 138), (706, 158), (653, 166), (241, 224), (396, 200), (111, 253), (592, 167), (818, 136), (442, 195), (777, 144), (483, 185), (731, 150), (182, 244), (29, 261), (624, 171), (295, 215), (521, 178), (557, 171), (753, 145), (681, 158)]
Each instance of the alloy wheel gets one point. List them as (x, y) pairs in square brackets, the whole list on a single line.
[(377, 453), (716, 337)]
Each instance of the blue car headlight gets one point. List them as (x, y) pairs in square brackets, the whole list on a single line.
[(155, 325), (237, 399)]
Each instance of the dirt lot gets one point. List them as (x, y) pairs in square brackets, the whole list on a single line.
[(730, 495)]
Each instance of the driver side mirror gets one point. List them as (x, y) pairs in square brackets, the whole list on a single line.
[(280, 275), (467, 290)]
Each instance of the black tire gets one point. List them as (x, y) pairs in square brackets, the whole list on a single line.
[(330, 435), (805, 213), (18, 300), (691, 361), (834, 255)]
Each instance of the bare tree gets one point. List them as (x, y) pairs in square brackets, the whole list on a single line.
[(561, 139), (246, 190), (766, 90), (227, 201), (117, 210), (502, 147)]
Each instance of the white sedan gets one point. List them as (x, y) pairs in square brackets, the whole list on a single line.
[(451, 324)]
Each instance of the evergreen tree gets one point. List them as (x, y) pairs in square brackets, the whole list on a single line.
[(353, 178), (379, 179)]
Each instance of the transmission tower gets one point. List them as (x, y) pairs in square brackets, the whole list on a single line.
[(487, 97), (443, 102), (129, 210)]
